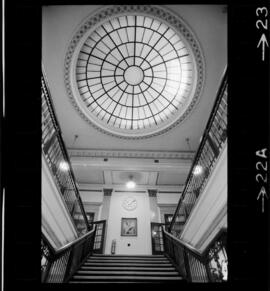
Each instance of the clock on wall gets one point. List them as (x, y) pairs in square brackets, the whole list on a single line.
[(130, 203)]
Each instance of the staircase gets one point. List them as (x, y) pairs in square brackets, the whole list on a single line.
[(126, 269)]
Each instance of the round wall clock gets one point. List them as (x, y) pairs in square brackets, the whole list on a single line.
[(130, 203)]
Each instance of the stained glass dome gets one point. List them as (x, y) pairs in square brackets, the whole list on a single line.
[(134, 72)]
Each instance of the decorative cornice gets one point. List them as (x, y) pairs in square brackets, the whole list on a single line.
[(129, 191), (156, 11), (152, 193), (169, 192), (107, 192), (184, 155), (143, 188), (89, 190)]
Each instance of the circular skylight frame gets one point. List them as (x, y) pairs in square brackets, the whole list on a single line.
[(158, 14)]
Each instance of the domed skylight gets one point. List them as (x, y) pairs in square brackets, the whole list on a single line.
[(134, 74)]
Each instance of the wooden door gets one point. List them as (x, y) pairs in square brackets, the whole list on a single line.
[(157, 238), (99, 237)]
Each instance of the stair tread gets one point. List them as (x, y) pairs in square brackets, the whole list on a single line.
[(101, 268), (127, 264), (122, 282), (118, 255), (126, 277), (126, 268), (128, 256), (81, 272), (127, 261)]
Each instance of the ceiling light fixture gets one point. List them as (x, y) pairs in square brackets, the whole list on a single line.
[(198, 170), (130, 184), (64, 166)]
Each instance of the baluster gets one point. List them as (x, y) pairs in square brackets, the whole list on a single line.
[(196, 271)]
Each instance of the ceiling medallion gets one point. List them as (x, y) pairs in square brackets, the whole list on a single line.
[(134, 71)]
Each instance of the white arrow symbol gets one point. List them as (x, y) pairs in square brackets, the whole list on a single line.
[(264, 42), (263, 194)]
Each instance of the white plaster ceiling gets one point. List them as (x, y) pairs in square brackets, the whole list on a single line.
[(117, 171), (59, 23), (142, 178)]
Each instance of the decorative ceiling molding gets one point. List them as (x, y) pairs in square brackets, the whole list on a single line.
[(107, 192), (183, 155), (144, 188), (129, 191), (90, 190), (164, 206), (170, 192), (160, 13), (152, 193)]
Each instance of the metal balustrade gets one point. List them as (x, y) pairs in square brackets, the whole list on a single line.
[(215, 136), (55, 153), (58, 266), (209, 266)]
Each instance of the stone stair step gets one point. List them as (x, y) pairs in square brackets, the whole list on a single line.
[(144, 278), (122, 282), (122, 273), (126, 268), (127, 261), (128, 256), (128, 264)]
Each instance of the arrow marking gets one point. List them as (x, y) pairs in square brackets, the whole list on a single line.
[(264, 43), (263, 194)]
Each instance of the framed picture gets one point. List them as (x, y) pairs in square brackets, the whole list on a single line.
[(129, 227)]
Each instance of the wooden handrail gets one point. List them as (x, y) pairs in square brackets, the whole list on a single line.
[(196, 266), (70, 244), (191, 249), (182, 243)]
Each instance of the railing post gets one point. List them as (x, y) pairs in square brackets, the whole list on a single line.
[(47, 271), (93, 239), (187, 267), (67, 272), (209, 276)]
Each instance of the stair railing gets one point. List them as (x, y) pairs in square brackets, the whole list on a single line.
[(55, 153), (212, 141), (59, 266), (209, 266)]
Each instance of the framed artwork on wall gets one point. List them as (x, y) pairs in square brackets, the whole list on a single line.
[(129, 227)]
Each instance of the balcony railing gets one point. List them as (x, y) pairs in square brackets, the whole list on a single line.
[(209, 266), (215, 136), (59, 266), (55, 153)]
